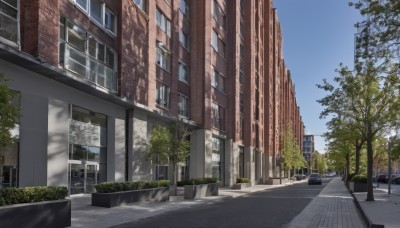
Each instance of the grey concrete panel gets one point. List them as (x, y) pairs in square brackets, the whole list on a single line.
[(33, 140), (120, 150), (249, 170), (231, 162), (197, 153), (57, 145), (110, 149), (141, 169)]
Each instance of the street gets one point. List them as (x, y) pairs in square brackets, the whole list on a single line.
[(268, 208)]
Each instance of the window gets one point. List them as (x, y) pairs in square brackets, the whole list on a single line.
[(96, 9), (184, 40), (218, 15), (217, 44), (83, 54), (141, 4), (217, 159), (163, 23), (83, 4), (99, 12), (163, 57), (184, 7), (9, 21), (217, 116), (214, 40), (183, 72), (218, 81), (109, 20), (183, 105), (241, 51), (162, 95), (241, 161)]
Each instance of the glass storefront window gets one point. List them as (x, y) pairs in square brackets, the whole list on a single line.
[(87, 150), (218, 161)]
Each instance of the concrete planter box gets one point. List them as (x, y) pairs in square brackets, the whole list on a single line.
[(50, 214), (200, 191), (276, 181), (115, 199), (241, 185), (358, 187)]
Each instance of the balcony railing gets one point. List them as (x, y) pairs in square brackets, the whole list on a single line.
[(89, 68), (9, 24)]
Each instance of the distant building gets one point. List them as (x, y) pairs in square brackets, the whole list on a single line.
[(308, 147)]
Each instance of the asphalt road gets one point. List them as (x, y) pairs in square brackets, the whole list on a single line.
[(269, 208)]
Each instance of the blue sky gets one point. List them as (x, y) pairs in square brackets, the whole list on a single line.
[(318, 35)]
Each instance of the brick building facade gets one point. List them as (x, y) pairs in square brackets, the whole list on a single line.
[(95, 76)]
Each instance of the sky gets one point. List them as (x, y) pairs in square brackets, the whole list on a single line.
[(318, 35)]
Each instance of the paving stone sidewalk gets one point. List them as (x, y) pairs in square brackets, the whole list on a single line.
[(332, 208)]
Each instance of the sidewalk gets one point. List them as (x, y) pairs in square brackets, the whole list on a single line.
[(383, 212), (333, 207), (85, 215)]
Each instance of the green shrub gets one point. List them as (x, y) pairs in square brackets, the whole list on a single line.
[(10, 196), (197, 181), (350, 176), (108, 187), (359, 179), (242, 180)]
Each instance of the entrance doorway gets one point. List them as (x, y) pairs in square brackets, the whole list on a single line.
[(82, 176)]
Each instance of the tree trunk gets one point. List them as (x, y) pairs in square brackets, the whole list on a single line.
[(174, 179), (358, 152), (347, 166), (370, 158)]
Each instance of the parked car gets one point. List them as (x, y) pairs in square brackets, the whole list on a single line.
[(396, 180), (383, 178), (314, 178), (394, 176)]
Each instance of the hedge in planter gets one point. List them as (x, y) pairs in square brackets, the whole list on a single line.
[(112, 194), (241, 183), (358, 183), (201, 187), (40, 206)]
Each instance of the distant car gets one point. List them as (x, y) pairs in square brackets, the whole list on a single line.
[(299, 176), (314, 179)]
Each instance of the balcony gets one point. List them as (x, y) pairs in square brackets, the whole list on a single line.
[(9, 24), (88, 68)]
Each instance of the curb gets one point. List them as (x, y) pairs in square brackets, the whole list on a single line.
[(363, 215)]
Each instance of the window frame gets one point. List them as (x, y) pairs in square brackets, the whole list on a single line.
[(182, 65), (103, 9), (90, 74), (184, 111), (216, 77), (165, 55), (163, 22), (217, 116), (165, 95)]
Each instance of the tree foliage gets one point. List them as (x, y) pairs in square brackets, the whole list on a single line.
[(379, 32), (9, 112), (292, 156), (169, 146)]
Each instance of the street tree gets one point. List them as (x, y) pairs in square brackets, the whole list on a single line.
[(368, 98), (292, 157), (9, 112), (169, 146)]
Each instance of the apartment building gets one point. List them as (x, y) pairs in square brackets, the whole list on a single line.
[(95, 77)]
